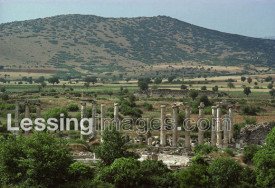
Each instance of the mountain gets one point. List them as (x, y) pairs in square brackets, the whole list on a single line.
[(87, 43), (270, 37)]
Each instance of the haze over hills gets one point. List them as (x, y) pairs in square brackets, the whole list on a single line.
[(91, 43)]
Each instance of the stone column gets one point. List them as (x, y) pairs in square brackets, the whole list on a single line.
[(219, 127), (27, 114), (200, 126), (214, 126), (175, 125), (27, 111), (162, 125), (150, 141), (187, 127), (225, 130), (231, 124), (102, 114), (83, 109), (94, 118), (16, 117), (116, 119), (82, 114), (38, 110)]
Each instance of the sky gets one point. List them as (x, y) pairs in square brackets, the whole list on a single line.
[(255, 18)]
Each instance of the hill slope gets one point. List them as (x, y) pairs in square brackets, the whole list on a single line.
[(91, 43)]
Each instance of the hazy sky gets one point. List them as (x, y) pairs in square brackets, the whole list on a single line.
[(246, 17)]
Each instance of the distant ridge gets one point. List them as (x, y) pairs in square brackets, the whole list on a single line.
[(88, 42)]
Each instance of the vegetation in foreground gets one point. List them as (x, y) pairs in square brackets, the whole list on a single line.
[(43, 160)]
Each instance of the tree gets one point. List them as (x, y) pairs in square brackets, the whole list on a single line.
[(41, 79), (123, 172), (270, 86), (112, 147), (128, 172), (264, 162), (243, 78), (268, 79), (205, 100), (143, 84), (183, 87), (272, 93), (171, 78), (80, 171), (39, 160), (127, 79), (249, 152), (246, 91), (270, 139), (249, 80), (194, 176), (158, 80), (43, 84), (215, 88), (91, 79), (53, 80), (231, 85), (193, 94), (225, 172), (203, 88)]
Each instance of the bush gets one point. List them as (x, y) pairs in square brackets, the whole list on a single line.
[(250, 120), (204, 149), (79, 171), (148, 106), (229, 151), (73, 108), (249, 152), (129, 172), (250, 110)]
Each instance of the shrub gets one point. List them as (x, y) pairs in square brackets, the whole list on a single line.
[(148, 106), (250, 110), (249, 152), (204, 149), (73, 108), (229, 151), (79, 171)]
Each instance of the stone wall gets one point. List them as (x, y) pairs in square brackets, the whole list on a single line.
[(173, 93)]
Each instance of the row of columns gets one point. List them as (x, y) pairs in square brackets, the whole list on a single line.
[(221, 129), (27, 113), (221, 132)]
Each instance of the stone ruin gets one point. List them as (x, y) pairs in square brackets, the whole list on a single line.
[(221, 127), (255, 134)]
